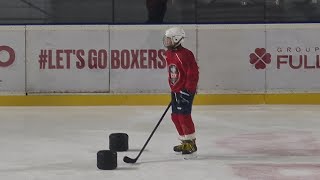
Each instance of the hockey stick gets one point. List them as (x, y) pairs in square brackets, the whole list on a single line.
[(130, 160)]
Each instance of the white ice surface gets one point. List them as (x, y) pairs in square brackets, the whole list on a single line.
[(234, 142)]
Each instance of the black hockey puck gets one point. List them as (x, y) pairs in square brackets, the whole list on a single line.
[(118, 142), (107, 160)]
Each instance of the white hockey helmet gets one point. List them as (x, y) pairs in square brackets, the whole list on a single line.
[(173, 37)]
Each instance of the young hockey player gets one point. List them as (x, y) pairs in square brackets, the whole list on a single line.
[(183, 79)]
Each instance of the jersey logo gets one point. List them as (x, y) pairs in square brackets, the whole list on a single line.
[(174, 74)]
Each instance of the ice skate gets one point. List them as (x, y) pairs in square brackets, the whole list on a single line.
[(179, 147), (189, 150), (189, 147)]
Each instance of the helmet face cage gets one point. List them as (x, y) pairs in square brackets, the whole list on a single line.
[(167, 42), (172, 42)]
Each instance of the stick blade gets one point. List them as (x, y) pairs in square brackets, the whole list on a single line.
[(126, 159)]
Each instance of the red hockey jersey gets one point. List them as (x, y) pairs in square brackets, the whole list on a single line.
[(183, 70)]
